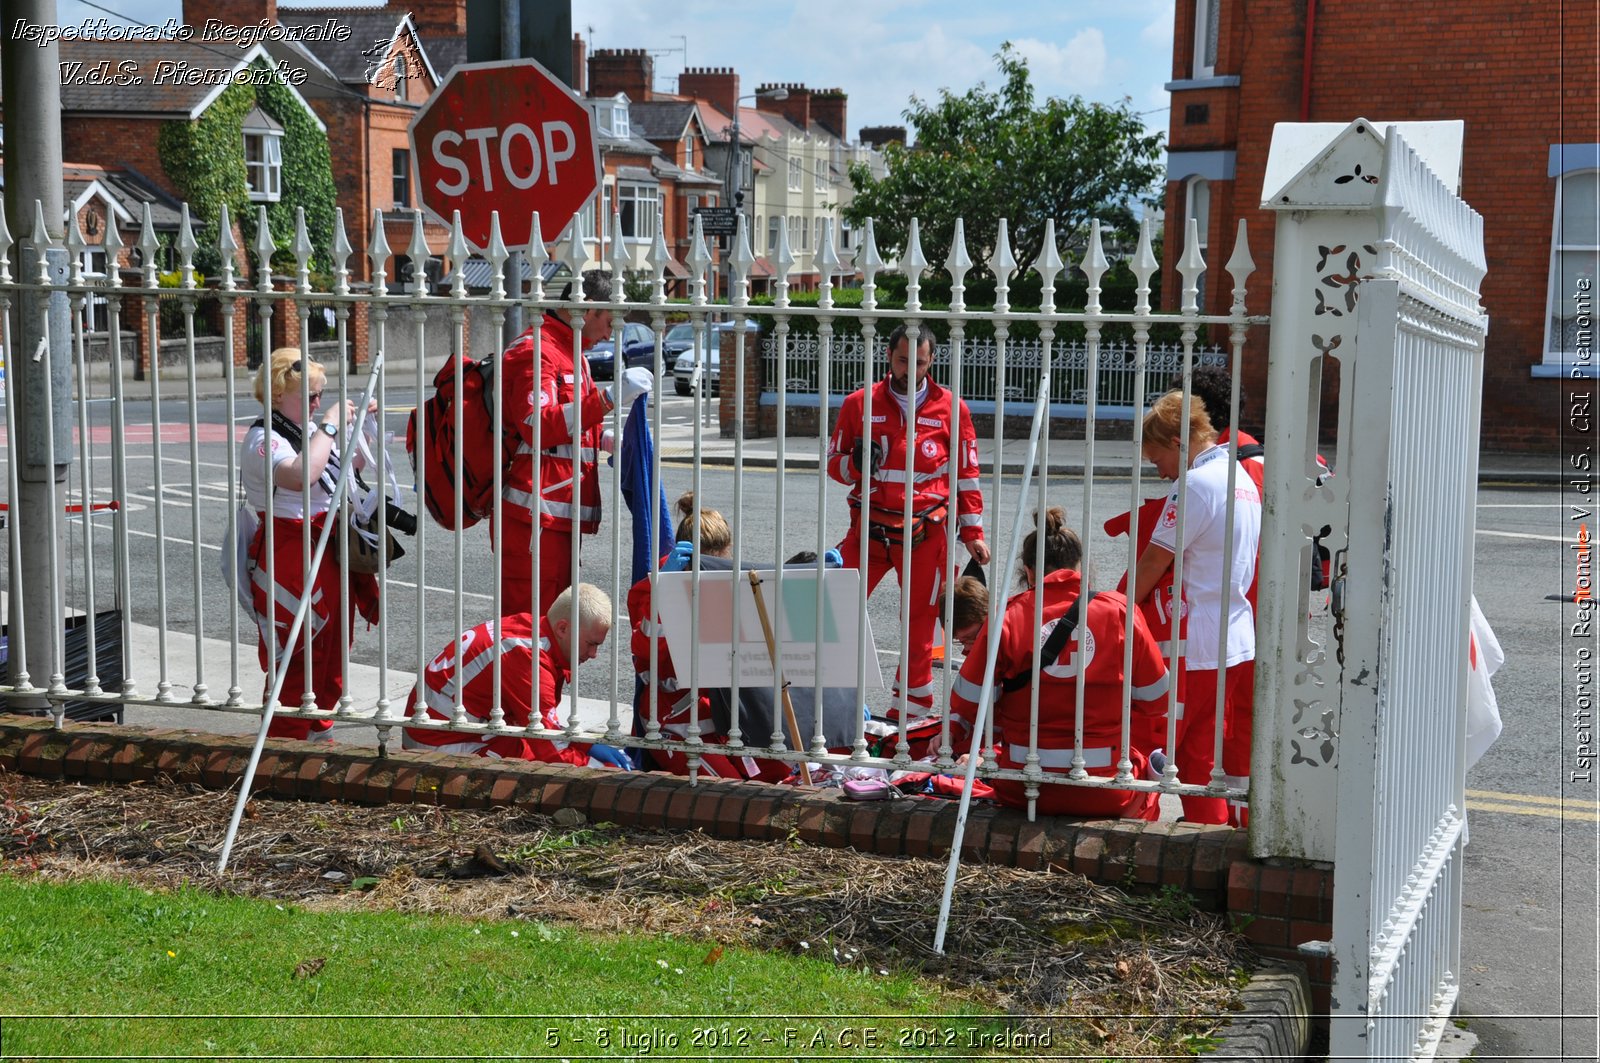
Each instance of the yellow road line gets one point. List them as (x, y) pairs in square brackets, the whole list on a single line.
[(1532, 810), (1530, 799)]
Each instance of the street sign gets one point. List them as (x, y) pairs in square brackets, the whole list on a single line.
[(506, 136), (718, 221)]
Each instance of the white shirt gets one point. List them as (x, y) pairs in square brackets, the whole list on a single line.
[(1204, 517), (285, 502)]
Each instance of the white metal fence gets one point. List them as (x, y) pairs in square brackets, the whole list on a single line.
[(189, 602), (1365, 767), (1117, 368)]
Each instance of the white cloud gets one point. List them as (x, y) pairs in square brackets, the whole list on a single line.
[(1157, 33), (1079, 66)]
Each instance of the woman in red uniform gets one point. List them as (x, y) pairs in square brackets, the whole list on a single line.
[(1099, 639), (303, 456)]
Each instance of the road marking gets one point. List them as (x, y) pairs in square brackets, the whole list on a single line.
[(1530, 799), (1533, 805), (1528, 535), (1532, 810), (1522, 505)]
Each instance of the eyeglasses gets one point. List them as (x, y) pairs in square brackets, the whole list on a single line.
[(314, 397)]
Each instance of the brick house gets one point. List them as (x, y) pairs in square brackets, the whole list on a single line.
[(1519, 73), (112, 127)]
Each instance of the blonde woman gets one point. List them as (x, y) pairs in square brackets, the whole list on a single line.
[(302, 452)]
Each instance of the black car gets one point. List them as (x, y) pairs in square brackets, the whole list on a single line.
[(638, 348)]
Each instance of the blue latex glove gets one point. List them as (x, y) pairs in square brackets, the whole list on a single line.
[(679, 559), (833, 559), (610, 756)]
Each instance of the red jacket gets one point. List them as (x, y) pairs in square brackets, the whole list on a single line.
[(1103, 632), (551, 403), (516, 642), (932, 465)]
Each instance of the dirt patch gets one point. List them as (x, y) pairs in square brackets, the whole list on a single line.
[(1024, 941)]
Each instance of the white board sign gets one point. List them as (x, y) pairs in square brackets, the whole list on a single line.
[(809, 647)]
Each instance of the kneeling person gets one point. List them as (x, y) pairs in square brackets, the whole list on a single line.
[(585, 607), (1102, 631)]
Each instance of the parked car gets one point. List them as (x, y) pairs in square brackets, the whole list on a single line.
[(686, 374), (638, 348)]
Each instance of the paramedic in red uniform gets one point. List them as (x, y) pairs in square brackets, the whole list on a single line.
[(1103, 634), (852, 458), (1206, 598), (564, 393), (516, 639)]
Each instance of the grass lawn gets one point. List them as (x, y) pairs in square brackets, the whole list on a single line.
[(103, 969)]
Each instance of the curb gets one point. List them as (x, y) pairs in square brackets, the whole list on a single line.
[(1275, 1023)]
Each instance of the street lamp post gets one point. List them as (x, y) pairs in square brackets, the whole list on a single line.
[(733, 192)]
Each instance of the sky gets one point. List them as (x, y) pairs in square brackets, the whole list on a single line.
[(880, 52)]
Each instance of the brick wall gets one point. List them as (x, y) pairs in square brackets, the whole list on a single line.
[(1386, 62)]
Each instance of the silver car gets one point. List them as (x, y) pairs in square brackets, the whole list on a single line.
[(686, 373)]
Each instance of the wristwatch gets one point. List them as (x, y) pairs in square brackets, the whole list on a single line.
[(330, 428)]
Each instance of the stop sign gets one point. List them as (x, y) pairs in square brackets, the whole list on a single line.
[(506, 136)]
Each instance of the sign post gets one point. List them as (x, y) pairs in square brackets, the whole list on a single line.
[(505, 136)]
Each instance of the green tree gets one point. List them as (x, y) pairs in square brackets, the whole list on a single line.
[(987, 155)]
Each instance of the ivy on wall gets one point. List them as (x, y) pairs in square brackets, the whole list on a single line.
[(205, 160)]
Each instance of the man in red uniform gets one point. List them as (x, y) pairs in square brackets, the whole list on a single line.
[(513, 638), (1102, 632), (879, 456), (562, 400)]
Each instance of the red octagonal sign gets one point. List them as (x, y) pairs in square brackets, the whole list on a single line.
[(506, 136)]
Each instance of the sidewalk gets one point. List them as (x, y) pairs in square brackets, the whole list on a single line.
[(1067, 457)]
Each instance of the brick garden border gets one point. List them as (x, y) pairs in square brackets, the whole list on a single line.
[(1275, 908)]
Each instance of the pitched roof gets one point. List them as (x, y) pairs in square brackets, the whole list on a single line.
[(372, 34), (660, 119), (162, 77), (130, 190)]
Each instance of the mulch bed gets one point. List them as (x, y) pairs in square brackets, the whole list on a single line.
[(1023, 941)]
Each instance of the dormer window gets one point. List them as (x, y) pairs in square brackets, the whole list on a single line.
[(263, 156), (688, 151), (611, 115), (400, 76)]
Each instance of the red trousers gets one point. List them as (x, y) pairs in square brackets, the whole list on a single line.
[(927, 572), (324, 679), (1059, 800), (1196, 752), (516, 566)]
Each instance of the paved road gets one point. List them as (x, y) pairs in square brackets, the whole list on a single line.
[(1529, 944)]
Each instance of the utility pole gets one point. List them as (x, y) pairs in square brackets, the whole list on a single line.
[(39, 328), (511, 48)]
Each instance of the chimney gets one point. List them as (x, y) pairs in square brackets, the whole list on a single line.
[(434, 18), (827, 107), (879, 135), (626, 70), (796, 108), (197, 13), (580, 65), (717, 85)]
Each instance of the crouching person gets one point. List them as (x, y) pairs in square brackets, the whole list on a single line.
[(584, 608), (1101, 629)]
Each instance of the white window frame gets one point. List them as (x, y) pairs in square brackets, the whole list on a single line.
[(774, 223), (1207, 20), (820, 172), (621, 124), (688, 151), (264, 177), (1191, 195), (400, 76), (639, 205), (795, 173), (1561, 242)]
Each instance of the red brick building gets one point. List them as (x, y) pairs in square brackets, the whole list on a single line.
[(1520, 73)]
